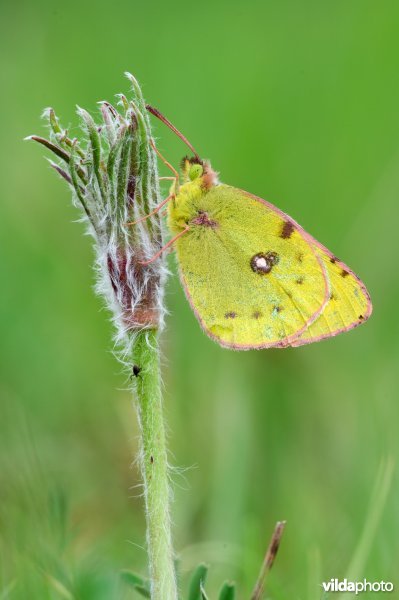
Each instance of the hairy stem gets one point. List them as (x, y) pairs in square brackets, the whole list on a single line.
[(154, 465), (114, 177)]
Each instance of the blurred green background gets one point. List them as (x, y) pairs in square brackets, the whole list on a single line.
[(297, 102)]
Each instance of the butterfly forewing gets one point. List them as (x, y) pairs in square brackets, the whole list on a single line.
[(251, 274)]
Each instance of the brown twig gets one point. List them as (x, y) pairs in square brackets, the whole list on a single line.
[(268, 560)]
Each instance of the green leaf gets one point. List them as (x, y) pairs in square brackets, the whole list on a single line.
[(108, 113), (198, 578), (114, 152), (142, 154), (58, 152), (95, 143), (143, 591), (53, 120), (123, 101), (228, 591), (79, 191), (203, 593), (123, 167), (140, 585), (55, 149)]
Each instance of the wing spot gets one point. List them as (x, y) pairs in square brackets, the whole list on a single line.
[(300, 280), (263, 263), (333, 259), (256, 315), (203, 219), (287, 230), (300, 257), (361, 318), (230, 315), (344, 273), (277, 309)]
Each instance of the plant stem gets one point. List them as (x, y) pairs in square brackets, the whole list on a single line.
[(154, 465)]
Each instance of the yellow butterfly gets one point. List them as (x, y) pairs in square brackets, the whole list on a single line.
[(254, 278)]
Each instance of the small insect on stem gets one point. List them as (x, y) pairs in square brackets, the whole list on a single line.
[(136, 370)]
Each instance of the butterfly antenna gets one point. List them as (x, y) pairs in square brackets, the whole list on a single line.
[(156, 113)]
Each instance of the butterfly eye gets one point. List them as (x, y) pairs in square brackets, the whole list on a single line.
[(262, 263), (195, 171)]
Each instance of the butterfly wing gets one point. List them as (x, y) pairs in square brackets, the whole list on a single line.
[(349, 303), (252, 275)]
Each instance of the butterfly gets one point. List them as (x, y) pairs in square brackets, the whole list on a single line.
[(254, 277)]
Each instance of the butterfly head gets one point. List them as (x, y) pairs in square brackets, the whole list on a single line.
[(194, 169)]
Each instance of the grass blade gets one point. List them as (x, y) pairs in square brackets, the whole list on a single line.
[(269, 560), (228, 591), (197, 580), (140, 585)]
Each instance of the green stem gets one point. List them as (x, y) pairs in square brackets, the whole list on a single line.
[(154, 465)]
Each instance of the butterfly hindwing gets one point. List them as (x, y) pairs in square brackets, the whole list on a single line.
[(349, 302)]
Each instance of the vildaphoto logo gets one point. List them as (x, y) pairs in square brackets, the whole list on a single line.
[(343, 585)]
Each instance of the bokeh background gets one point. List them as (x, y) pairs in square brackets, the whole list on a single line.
[(297, 102)]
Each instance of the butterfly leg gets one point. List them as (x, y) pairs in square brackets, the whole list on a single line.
[(157, 209), (171, 196), (175, 173), (172, 241)]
